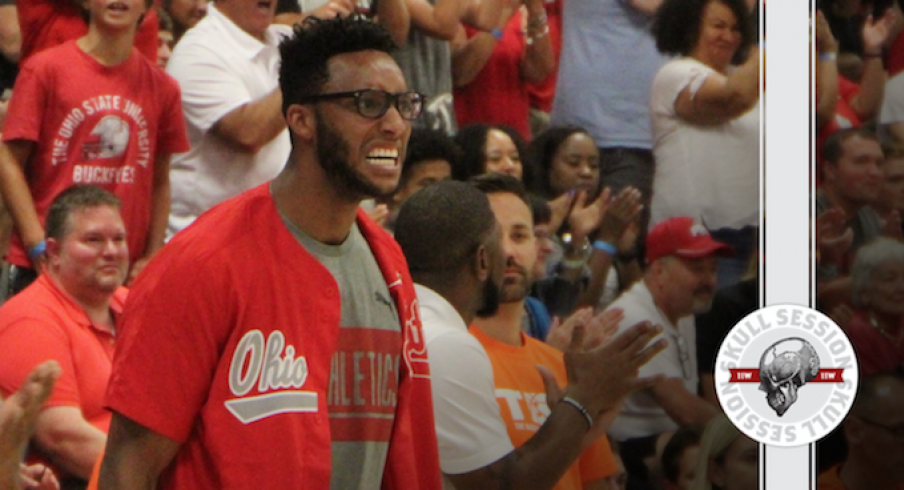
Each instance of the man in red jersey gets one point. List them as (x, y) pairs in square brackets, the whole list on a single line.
[(275, 342)]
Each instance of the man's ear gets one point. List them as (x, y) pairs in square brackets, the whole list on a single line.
[(828, 171), (302, 121), (482, 263), (52, 252)]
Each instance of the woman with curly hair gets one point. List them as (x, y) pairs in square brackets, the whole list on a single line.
[(706, 122)]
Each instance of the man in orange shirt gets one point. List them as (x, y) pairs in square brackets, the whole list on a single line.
[(69, 315), (452, 242)]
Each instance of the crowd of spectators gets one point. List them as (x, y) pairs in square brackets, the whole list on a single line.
[(627, 136), (858, 246)]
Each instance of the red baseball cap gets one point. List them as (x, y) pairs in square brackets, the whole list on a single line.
[(681, 237)]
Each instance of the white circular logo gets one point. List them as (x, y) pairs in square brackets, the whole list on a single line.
[(786, 375)]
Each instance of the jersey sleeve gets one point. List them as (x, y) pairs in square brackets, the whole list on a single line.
[(172, 332), (469, 429), (26, 343)]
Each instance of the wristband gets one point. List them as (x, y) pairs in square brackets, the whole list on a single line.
[(605, 247), (37, 251), (574, 403), (496, 33), (827, 56), (574, 264)]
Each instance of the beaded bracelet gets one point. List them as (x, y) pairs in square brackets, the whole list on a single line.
[(574, 403)]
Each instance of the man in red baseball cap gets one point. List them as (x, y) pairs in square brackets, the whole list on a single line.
[(680, 281)]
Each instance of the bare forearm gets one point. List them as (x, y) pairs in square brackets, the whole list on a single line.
[(600, 264), (254, 124), (447, 15), (648, 7), (393, 14), (76, 450), (744, 83), (485, 14), (540, 462), (135, 456), (826, 91), (16, 193), (539, 60), (10, 36), (470, 58), (872, 89), (160, 206)]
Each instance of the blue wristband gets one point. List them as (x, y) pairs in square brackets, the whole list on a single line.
[(605, 247), (37, 250), (497, 33)]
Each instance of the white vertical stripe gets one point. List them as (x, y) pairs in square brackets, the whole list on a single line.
[(787, 197)]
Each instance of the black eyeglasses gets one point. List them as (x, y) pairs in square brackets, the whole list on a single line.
[(372, 103)]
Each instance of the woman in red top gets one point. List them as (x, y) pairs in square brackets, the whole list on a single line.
[(490, 70)]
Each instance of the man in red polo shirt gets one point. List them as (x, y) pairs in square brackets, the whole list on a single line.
[(69, 315)]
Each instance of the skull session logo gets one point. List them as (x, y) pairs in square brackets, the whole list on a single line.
[(786, 375)]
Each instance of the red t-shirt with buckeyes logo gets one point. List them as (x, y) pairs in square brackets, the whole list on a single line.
[(94, 124)]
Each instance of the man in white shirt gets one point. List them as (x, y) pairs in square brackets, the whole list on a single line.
[(227, 67), (679, 282), (452, 242)]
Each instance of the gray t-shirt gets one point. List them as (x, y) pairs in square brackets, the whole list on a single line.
[(364, 374), (427, 65)]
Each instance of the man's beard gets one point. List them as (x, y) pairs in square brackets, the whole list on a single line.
[(517, 291), (490, 300), (703, 301), (332, 153)]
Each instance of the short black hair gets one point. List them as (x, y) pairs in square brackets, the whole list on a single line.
[(441, 227), (685, 437), (74, 198), (543, 149), (500, 183), (428, 144), (833, 147), (472, 140), (677, 25), (304, 70)]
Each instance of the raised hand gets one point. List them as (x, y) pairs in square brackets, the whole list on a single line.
[(602, 327), (623, 210), (601, 377), (560, 332), (584, 218), (875, 31), (833, 236), (560, 207), (18, 416)]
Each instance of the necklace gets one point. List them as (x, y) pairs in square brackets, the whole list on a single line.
[(895, 339)]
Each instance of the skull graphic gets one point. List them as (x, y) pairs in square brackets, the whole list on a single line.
[(786, 366)]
